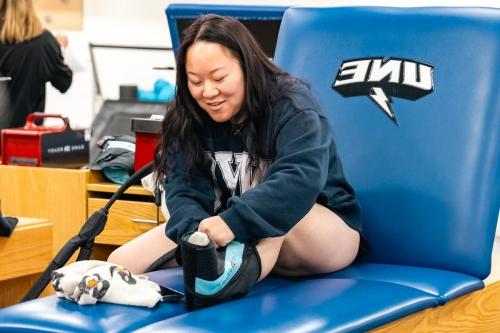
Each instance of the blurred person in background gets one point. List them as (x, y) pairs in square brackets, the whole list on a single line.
[(31, 56)]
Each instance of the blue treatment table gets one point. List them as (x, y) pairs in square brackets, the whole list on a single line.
[(413, 99)]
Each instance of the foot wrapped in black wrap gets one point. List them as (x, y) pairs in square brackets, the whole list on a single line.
[(215, 275)]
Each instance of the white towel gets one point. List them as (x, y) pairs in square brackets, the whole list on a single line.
[(89, 281)]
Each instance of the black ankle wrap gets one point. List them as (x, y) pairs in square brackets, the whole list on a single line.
[(213, 276)]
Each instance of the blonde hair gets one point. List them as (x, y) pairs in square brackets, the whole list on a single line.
[(18, 21)]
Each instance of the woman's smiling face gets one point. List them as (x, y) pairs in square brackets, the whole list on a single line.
[(215, 80)]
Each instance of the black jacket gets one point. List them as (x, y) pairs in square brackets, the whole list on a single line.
[(30, 64)]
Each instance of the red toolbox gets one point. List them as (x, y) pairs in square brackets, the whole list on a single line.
[(147, 136), (35, 145)]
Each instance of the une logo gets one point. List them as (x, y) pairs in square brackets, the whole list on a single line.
[(382, 78)]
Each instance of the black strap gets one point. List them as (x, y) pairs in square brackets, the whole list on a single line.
[(164, 259), (85, 251), (141, 173), (59, 260), (40, 284)]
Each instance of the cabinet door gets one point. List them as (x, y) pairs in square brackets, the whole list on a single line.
[(126, 220)]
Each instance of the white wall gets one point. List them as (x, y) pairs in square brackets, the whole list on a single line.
[(143, 23), (115, 22)]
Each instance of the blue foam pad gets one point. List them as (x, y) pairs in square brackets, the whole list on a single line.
[(170, 278), (446, 285), (173, 278), (51, 314), (314, 305)]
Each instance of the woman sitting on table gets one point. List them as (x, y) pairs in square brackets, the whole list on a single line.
[(248, 155)]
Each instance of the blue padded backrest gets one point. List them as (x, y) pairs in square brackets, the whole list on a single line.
[(429, 178), (178, 12)]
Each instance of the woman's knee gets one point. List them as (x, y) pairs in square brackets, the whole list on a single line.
[(118, 256), (268, 250), (310, 263), (320, 243), (140, 252)]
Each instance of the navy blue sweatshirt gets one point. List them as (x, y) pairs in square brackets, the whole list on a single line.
[(304, 169)]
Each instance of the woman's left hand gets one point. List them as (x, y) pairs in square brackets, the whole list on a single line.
[(62, 40), (217, 230)]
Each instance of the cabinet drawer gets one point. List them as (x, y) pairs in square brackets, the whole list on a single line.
[(126, 220)]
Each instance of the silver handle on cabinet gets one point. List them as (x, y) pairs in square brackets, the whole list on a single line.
[(144, 221)]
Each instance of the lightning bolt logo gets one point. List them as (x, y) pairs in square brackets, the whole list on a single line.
[(382, 78), (378, 96)]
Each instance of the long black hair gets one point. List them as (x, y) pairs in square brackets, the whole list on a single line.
[(185, 117)]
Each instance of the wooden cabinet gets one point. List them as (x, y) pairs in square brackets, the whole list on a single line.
[(23, 256), (51, 206), (127, 219), (58, 195), (67, 197), (130, 216), (28, 250), (57, 202)]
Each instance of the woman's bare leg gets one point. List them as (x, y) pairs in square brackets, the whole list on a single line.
[(139, 253), (268, 249), (319, 243)]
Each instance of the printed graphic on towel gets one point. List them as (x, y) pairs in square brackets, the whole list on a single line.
[(382, 78), (125, 274), (56, 281), (93, 285)]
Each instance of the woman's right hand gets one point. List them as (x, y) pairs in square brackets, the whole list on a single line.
[(217, 230)]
